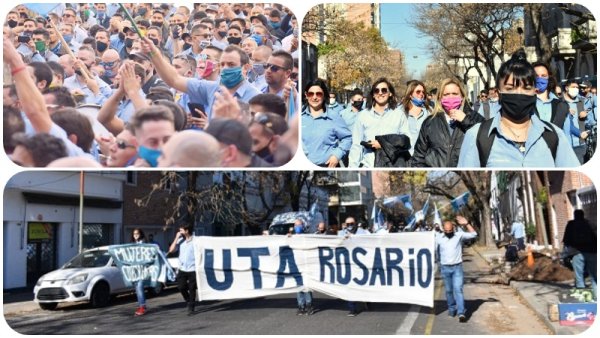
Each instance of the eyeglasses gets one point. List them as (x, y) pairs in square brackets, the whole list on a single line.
[(311, 94), (122, 145), (350, 224), (419, 92), (273, 67), (484, 96), (383, 90)]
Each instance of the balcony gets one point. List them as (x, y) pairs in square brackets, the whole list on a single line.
[(584, 36)]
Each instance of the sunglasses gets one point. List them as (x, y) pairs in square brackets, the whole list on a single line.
[(273, 68), (264, 120), (383, 90), (108, 64), (311, 94), (122, 145), (484, 96)]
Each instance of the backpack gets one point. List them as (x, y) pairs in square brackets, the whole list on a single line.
[(484, 142)]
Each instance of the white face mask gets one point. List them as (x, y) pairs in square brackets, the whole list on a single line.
[(331, 100), (573, 92)]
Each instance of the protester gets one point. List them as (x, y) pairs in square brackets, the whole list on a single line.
[(516, 137), (449, 246), (304, 298), (580, 236), (138, 237), (416, 107), (186, 274), (517, 230)]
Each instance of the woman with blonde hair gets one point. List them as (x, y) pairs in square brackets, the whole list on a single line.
[(442, 133)]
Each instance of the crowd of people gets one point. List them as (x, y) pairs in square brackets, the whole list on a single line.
[(150, 85), (528, 120)]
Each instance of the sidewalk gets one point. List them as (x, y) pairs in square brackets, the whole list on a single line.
[(538, 296), (18, 301)]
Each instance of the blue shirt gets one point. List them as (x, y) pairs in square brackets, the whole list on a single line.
[(105, 91), (336, 107), (116, 43), (414, 126), (203, 92), (187, 260), (571, 126), (127, 109), (505, 153), (518, 230), (349, 116), (494, 109), (544, 108), (450, 249), (323, 136), (370, 124)]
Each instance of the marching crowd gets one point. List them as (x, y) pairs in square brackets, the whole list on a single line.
[(528, 120), (150, 85)]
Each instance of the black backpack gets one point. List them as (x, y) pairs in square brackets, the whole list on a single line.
[(484, 142)]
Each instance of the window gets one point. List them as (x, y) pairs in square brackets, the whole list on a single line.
[(131, 178)]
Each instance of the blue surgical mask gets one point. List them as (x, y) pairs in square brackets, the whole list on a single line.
[(258, 39), (275, 25), (150, 155), (109, 73), (541, 83), (100, 13), (204, 44), (258, 68), (231, 77), (417, 102), (298, 229), (68, 37)]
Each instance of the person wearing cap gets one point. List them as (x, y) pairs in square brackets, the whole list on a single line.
[(234, 68), (265, 130), (212, 11), (130, 36), (201, 36), (235, 143)]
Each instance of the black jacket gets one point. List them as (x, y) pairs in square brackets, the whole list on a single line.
[(436, 147), (393, 152), (579, 235)]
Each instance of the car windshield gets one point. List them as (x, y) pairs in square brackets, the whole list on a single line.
[(280, 229), (89, 259)]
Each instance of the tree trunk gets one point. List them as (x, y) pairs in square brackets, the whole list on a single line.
[(553, 236)]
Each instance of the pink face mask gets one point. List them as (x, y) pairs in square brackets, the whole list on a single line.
[(209, 68), (449, 103)]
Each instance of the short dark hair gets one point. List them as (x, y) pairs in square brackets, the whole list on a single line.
[(42, 72), (73, 122), (57, 68), (287, 58), (44, 148), (273, 103), (43, 32), (152, 113), (13, 124), (179, 115), (231, 132), (62, 96), (244, 58)]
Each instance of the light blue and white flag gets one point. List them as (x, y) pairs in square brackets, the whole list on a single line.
[(460, 201), (437, 219), (405, 199)]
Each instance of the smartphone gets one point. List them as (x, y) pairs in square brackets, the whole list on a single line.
[(193, 106), (23, 38), (175, 31)]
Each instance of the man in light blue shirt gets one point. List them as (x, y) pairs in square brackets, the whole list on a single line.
[(186, 275), (333, 105), (356, 105), (506, 153), (574, 126), (449, 246), (517, 230)]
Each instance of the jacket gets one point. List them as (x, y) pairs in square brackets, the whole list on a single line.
[(436, 147), (393, 152)]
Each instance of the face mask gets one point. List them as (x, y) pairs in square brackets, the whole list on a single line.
[(209, 69), (234, 40), (493, 99), (222, 34), (157, 23), (142, 11), (357, 104), (298, 229), (417, 102), (12, 23), (68, 37), (128, 43), (258, 39), (204, 44), (350, 228), (449, 234), (541, 83), (187, 46), (245, 13), (101, 46), (150, 155), (275, 25), (237, 11), (264, 153), (155, 42), (109, 73), (258, 68), (517, 107), (40, 46), (332, 101), (231, 77), (573, 92), (449, 103)]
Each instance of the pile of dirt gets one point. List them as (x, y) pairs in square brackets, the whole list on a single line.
[(544, 269)]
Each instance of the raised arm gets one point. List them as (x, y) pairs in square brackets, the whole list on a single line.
[(163, 68)]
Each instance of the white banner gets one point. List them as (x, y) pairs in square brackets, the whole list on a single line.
[(392, 268)]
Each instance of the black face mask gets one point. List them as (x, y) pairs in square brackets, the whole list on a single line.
[(517, 107), (79, 72), (246, 31), (264, 153), (157, 23), (234, 41), (357, 104), (245, 13), (155, 42), (101, 46), (142, 11), (449, 234), (128, 43), (12, 23), (222, 34), (237, 11), (182, 25), (187, 46)]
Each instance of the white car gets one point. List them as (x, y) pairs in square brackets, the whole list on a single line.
[(91, 276)]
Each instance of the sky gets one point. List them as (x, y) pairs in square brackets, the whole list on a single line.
[(401, 35)]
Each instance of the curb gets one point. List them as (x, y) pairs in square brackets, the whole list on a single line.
[(542, 316)]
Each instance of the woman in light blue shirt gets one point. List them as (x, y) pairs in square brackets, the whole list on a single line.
[(516, 137), (383, 118), (325, 137), (414, 103)]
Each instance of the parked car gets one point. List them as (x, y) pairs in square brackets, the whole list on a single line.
[(91, 276), (283, 222)]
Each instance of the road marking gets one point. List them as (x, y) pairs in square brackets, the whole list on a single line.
[(409, 320), (431, 318)]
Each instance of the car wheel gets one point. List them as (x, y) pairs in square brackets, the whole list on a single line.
[(48, 306), (100, 295), (157, 290)]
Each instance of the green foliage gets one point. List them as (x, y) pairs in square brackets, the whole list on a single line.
[(542, 196), (530, 230)]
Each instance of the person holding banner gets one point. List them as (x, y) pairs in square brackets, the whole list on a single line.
[(449, 246), (137, 236), (186, 275), (304, 298)]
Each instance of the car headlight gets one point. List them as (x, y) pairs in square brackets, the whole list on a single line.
[(77, 279), (39, 281)]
